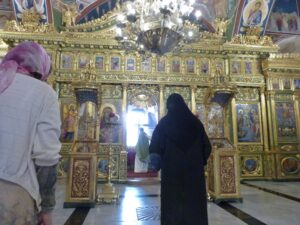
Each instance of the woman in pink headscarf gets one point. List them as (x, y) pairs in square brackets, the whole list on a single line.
[(28, 58), (29, 137)]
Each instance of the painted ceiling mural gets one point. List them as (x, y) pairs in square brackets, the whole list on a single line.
[(92, 9), (284, 18), (6, 12), (278, 18), (253, 13)]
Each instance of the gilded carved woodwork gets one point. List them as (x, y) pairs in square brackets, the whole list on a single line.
[(151, 93), (80, 178), (247, 94), (250, 148), (223, 171), (227, 171), (30, 23)]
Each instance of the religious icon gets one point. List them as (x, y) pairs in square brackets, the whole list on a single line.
[(161, 65), (215, 121), (286, 84), (255, 15), (255, 12), (66, 61), (275, 85), (190, 66), (248, 123), (99, 62), (103, 166), (82, 62), (115, 63), (109, 125), (68, 123), (286, 121), (250, 165), (235, 67), (146, 65), (248, 67), (176, 65), (204, 67), (130, 64), (219, 69), (297, 84), (290, 165)]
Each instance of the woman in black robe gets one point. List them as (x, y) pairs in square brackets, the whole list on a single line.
[(180, 147)]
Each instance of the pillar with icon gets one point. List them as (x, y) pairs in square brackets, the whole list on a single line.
[(82, 181)]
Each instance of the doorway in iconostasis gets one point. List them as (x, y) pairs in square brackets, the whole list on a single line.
[(141, 119)]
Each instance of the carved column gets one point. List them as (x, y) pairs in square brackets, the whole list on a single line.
[(270, 155), (268, 167), (226, 67), (234, 122), (124, 108), (193, 98), (297, 114), (271, 118), (264, 118), (161, 101), (82, 182)]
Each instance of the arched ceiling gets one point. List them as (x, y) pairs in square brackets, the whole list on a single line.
[(277, 18)]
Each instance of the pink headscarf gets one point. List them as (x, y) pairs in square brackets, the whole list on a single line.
[(26, 58)]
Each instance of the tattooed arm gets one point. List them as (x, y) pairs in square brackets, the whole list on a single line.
[(46, 176)]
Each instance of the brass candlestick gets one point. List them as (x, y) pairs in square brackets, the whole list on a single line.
[(108, 193)]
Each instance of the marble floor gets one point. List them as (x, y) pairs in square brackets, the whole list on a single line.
[(264, 202)]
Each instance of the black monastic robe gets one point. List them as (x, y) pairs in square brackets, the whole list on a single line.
[(183, 191)]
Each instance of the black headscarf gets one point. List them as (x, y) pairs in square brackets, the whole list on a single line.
[(180, 124)]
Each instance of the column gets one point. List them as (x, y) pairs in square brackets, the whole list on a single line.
[(234, 122), (161, 101), (264, 119), (82, 179), (193, 98), (124, 110)]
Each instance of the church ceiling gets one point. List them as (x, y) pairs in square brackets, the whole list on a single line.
[(278, 18)]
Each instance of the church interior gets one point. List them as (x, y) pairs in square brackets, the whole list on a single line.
[(115, 62)]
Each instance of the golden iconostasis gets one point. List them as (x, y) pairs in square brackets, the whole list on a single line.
[(261, 120)]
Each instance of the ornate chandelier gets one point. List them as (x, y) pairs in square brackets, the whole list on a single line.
[(157, 26)]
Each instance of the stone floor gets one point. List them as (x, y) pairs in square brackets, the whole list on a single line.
[(264, 202)]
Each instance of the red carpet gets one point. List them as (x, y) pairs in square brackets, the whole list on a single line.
[(149, 174)]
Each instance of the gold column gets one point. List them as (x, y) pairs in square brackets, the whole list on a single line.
[(271, 118), (124, 108), (227, 67), (264, 119), (161, 101), (193, 98), (82, 179), (272, 132), (267, 158), (234, 122), (297, 114)]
